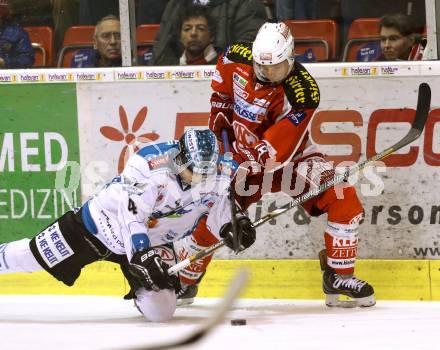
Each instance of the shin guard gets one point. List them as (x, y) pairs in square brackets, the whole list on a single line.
[(200, 238), (341, 234)]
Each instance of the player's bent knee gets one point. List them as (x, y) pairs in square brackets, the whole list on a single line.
[(156, 306), (346, 209)]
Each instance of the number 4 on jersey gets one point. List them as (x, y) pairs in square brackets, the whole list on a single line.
[(132, 207)]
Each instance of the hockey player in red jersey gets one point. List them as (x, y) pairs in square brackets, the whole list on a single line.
[(265, 100)]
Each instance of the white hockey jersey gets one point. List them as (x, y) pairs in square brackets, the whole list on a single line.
[(148, 205)]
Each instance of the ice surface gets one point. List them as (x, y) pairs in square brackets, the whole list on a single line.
[(93, 322)]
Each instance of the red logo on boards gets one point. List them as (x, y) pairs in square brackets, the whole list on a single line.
[(128, 135)]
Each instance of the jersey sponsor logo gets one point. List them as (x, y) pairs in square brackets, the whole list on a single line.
[(241, 70), (304, 87), (240, 92), (244, 113), (221, 105), (296, 117), (241, 50), (158, 162), (170, 236), (176, 212), (52, 245), (239, 80), (261, 102), (208, 198), (249, 111), (106, 226), (245, 138)]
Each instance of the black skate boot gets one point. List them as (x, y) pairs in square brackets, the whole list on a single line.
[(187, 294), (333, 284)]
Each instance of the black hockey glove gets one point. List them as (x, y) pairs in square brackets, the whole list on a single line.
[(151, 271), (245, 230)]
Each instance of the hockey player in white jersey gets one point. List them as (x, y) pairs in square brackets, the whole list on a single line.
[(168, 192)]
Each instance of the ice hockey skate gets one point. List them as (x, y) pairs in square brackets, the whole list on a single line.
[(360, 292), (187, 294)]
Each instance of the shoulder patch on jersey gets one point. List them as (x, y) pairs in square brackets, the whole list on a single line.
[(240, 53), (301, 89), (296, 117), (158, 162), (158, 154)]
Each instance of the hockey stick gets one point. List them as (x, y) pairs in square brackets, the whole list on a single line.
[(214, 319), (235, 238), (423, 105)]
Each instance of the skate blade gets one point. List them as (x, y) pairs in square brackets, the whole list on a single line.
[(332, 300), (184, 302)]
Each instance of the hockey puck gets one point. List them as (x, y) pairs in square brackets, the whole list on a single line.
[(238, 322)]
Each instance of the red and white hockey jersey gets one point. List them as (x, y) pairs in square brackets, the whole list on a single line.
[(276, 114)]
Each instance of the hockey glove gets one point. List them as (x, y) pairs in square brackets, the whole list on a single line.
[(221, 116), (253, 159), (245, 230), (151, 271)]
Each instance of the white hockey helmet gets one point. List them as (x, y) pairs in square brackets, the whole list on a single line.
[(272, 45)]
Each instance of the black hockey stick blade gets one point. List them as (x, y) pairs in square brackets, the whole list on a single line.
[(417, 126), (235, 288), (423, 106)]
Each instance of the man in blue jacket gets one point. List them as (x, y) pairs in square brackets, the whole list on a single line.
[(15, 47)]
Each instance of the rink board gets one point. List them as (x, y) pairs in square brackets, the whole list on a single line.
[(273, 279), (55, 117), (80, 120)]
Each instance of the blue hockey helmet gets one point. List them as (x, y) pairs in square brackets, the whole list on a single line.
[(198, 151)]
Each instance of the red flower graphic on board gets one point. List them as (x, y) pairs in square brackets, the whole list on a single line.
[(128, 136)]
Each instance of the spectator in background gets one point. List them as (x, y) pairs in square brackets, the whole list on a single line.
[(196, 32), (236, 20), (107, 47), (398, 41), (353, 9), (196, 37), (297, 9), (15, 47)]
